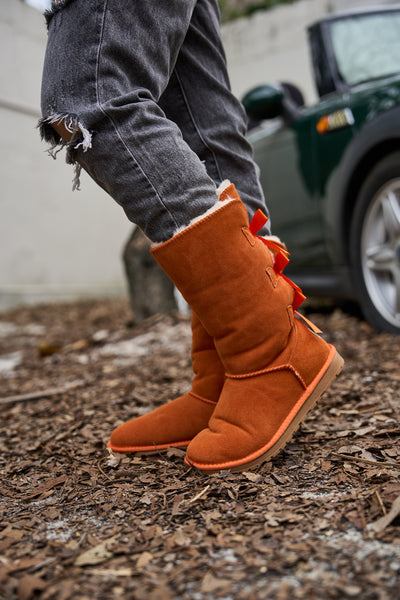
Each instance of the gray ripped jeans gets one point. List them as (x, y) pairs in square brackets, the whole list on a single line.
[(142, 86)]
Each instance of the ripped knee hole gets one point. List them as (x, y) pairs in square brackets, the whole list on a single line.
[(66, 134)]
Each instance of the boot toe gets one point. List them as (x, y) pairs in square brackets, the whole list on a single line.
[(133, 436), (216, 450), (173, 425)]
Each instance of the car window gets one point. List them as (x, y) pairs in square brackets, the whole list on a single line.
[(367, 47)]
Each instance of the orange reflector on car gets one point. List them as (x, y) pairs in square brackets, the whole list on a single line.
[(322, 125), (336, 120)]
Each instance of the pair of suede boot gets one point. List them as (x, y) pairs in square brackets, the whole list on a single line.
[(258, 367)]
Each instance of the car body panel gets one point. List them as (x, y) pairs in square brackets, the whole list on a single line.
[(319, 167)]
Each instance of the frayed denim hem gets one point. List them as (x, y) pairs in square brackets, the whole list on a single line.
[(55, 7), (81, 138)]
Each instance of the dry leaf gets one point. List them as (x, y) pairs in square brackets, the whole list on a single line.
[(47, 486), (28, 585), (253, 477), (144, 560), (123, 572), (384, 521), (14, 534), (180, 539), (211, 584), (97, 554), (45, 348), (262, 533)]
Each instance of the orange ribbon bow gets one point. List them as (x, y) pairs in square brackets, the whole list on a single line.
[(281, 256)]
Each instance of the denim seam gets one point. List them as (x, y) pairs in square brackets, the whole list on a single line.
[(120, 137), (190, 112)]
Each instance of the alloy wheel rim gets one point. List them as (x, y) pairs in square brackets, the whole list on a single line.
[(380, 251)]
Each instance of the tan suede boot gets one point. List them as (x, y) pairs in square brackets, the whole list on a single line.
[(276, 367), (178, 421)]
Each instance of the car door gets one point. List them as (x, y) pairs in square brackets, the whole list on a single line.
[(289, 175)]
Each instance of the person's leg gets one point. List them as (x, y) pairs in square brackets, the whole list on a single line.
[(212, 120), (213, 123), (100, 92), (107, 64), (107, 92)]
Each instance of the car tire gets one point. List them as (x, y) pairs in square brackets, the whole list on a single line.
[(375, 245)]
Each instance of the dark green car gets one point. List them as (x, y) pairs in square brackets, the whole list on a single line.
[(331, 172)]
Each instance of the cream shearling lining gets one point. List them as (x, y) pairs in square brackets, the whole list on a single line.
[(219, 191), (215, 207)]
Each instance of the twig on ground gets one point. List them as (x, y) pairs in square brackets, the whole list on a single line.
[(101, 471), (375, 463), (199, 495), (41, 394), (377, 494), (381, 524)]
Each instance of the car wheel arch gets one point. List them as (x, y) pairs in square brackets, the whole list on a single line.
[(374, 245), (367, 162), (375, 140)]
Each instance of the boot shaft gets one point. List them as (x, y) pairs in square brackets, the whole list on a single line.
[(209, 372), (224, 272)]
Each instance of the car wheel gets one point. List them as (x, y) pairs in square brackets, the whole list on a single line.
[(375, 245)]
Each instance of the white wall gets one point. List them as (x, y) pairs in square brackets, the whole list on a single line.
[(271, 45), (59, 244), (55, 243)]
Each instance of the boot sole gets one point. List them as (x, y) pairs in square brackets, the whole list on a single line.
[(320, 384)]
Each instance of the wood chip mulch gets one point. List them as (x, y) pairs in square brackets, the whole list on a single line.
[(321, 521)]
